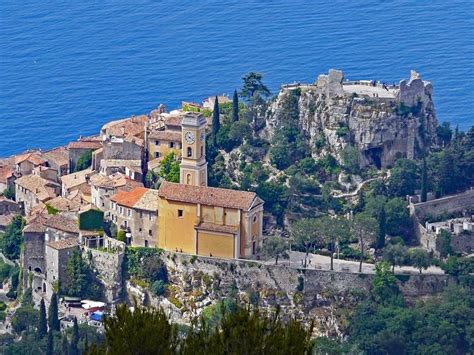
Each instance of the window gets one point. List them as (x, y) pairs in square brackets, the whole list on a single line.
[(139, 229), (157, 142), (188, 179), (125, 224), (180, 213), (254, 218), (149, 216), (141, 214), (189, 152), (171, 145), (129, 213), (150, 232), (202, 150), (157, 154), (146, 243)]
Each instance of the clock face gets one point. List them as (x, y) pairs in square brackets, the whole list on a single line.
[(189, 137)]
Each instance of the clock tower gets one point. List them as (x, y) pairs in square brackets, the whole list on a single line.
[(193, 168)]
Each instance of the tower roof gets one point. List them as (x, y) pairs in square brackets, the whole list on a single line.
[(193, 119)]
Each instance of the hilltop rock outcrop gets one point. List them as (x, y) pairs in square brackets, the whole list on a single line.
[(383, 122)]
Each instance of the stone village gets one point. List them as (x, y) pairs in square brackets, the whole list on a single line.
[(66, 209)]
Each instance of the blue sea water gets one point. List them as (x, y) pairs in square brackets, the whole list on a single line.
[(66, 67)]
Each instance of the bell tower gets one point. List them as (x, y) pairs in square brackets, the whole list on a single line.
[(193, 168)]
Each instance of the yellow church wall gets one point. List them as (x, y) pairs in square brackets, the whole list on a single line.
[(177, 232), (232, 217), (215, 244)]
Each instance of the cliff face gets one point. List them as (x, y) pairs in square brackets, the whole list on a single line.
[(383, 122), (322, 296)]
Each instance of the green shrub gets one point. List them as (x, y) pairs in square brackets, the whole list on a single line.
[(3, 306), (158, 287), (122, 236), (193, 259)]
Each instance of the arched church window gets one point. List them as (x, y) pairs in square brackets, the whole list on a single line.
[(189, 152)]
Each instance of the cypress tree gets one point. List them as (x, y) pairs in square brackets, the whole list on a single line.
[(50, 344), (216, 123), (424, 182), (42, 322), (64, 346), (53, 320), (382, 228), (235, 107), (74, 339)]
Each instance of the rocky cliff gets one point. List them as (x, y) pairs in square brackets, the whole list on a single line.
[(383, 122), (322, 296)]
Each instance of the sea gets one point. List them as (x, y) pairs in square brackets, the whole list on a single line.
[(67, 67)]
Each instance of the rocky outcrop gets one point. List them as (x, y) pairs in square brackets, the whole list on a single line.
[(322, 296), (383, 122)]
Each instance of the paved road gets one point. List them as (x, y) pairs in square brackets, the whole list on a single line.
[(322, 262)]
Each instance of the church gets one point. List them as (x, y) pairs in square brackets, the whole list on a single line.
[(197, 219)]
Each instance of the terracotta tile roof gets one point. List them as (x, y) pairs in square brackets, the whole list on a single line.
[(32, 157), (42, 188), (155, 163), (63, 204), (210, 196), (149, 201), (35, 227), (174, 120), (6, 200), (117, 180), (166, 136), (6, 172), (132, 126), (212, 227), (107, 163), (6, 219), (64, 244), (129, 198), (136, 140), (85, 233), (77, 178), (63, 223), (92, 144), (58, 156)]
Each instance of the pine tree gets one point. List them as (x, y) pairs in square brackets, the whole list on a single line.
[(235, 107), (216, 123), (424, 182), (64, 346), (74, 350), (42, 322), (382, 228), (53, 320), (50, 344)]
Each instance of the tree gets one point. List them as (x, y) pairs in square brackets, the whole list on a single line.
[(275, 247), (350, 158), (381, 219), (216, 120), (443, 243), (80, 280), (332, 230), (64, 346), (364, 228), (50, 344), (42, 324), (384, 286), (419, 258), (169, 168), (25, 318), (235, 107), (398, 220), (305, 235), (395, 254), (73, 349), (53, 320), (9, 193), (424, 181), (444, 132), (404, 178), (84, 161), (253, 86), (11, 240)]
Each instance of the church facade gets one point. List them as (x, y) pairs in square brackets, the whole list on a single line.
[(197, 219)]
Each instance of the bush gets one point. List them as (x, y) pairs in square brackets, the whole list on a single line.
[(24, 318), (122, 236), (3, 306), (158, 287)]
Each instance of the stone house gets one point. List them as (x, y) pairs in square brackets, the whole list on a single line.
[(33, 190), (103, 187), (61, 226), (112, 166), (161, 143), (8, 209), (209, 221), (209, 102), (25, 163), (77, 149), (57, 159), (7, 178), (75, 181), (136, 213), (57, 255), (34, 254), (62, 204)]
